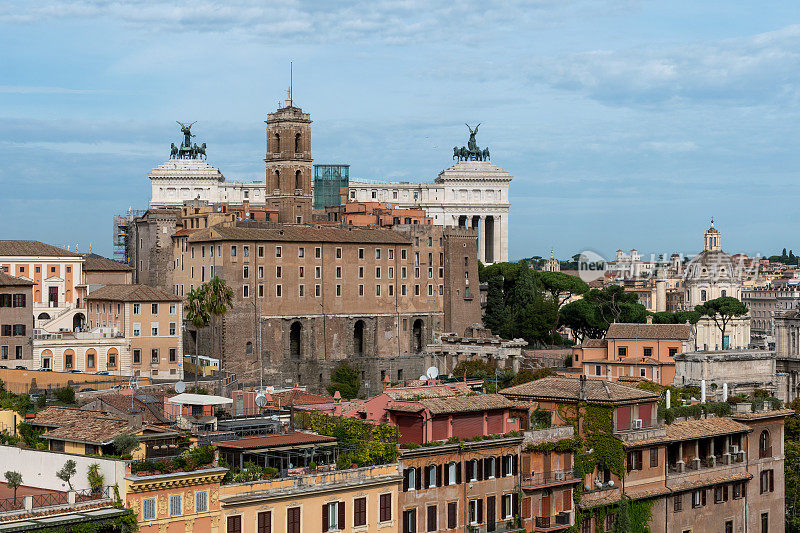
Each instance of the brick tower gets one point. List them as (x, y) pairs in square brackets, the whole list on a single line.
[(289, 163)]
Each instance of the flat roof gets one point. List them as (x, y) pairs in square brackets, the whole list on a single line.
[(199, 399), (279, 439)]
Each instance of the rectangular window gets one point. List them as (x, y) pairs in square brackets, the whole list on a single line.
[(391, 253), (648, 352), (377, 290), (260, 251), (391, 290), (302, 272), (137, 356), (173, 355), (403, 254), (452, 515), (317, 252), (385, 507), (360, 272), (175, 505), (377, 272), (431, 518), (149, 509), (293, 520), (245, 272), (301, 252), (673, 352), (154, 355), (136, 329), (264, 522), (653, 457), (338, 272), (172, 309), (233, 251), (260, 272), (764, 522), (235, 524), (201, 500), (317, 272), (332, 516), (302, 290), (154, 329), (410, 521), (137, 309), (359, 512), (767, 481), (278, 272), (278, 252), (246, 251), (173, 328), (278, 291), (338, 290), (338, 253), (361, 253), (622, 351), (3, 352), (317, 290), (260, 290), (677, 503), (361, 290), (19, 300)]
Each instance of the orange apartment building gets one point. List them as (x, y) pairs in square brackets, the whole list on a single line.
[(57, 274), (645, 351), (377, 214), (697, 475), (150, 319), (16, 320)]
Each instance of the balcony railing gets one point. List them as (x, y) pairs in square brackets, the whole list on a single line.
[(765, 452), (547, 478), (550, 522)]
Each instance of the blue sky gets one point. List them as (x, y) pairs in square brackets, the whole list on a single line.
[(625, 123)]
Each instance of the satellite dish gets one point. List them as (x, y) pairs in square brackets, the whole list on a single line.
[(261, 400), (423, 377), (432, 372), (180, 386), (274, 418)]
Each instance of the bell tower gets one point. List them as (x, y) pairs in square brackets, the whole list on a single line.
[(289, 163)]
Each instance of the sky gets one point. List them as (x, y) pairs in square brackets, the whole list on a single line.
[(625, 124)]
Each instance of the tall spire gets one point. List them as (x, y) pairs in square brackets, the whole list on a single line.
[(288, 102)]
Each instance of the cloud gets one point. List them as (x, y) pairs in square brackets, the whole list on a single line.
[(747, 71)]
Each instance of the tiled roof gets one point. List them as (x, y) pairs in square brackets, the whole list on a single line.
[(58, 416), (693, 429), (271, 441), (419, 393), (131, 293), (561, 388), (95, 430), (299, 234), (33, 248), (98, 262), (298, 397), (762, 414), (153, 413), (405, 407), (594, 343), (707, 480), (649, 331), (13, 281), (463, 404)]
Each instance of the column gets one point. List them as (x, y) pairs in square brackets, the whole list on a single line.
[(481, 238), (500, 239)]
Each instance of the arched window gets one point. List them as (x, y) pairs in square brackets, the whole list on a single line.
[(298, 180), (417, 334), (724, 293), (111, 358), (764, 445), (703, 295), (248, 348), (69, 357), (297, 143), (358, 338), (277, 142), (295, 346), (44, 316)]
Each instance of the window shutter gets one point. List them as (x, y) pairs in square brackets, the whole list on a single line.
[(405, 522), (771, 480), (418, 472), (498, 465), (725, 493), (405, 480), (703, 496), (503, 466), (458, 473), (341, 515), (324, 517), (439, 475), (480, 470), (480, 511), (426, 477), (514, 464), (515, 504), (451, 515)]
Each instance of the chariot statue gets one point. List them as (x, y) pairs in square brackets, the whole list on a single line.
[(187, 150), (471, 152)]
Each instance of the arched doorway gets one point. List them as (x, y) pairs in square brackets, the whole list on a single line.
[(417, 334), (47, 359), (358, 338), (78, 320), (295, 346)]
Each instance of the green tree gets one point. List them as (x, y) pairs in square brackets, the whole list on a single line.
[(615, 304), (13, 480), (65, 395), (345, 379), (791, 467), (722, 310), (561, 286), (125, 443), (67, 471), (219, 298), (497, 316), (194, 310), (95, 478), (583, 318)]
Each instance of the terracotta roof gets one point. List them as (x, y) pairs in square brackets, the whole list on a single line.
[(299, 234), (33, 248), (693, 429), (649, 331), (58, 416), (271, 441), (607, 497), (98, 262), (419, 393), (762, 414), (594, 343), (184, 231), (561, 388), (705, 481), (131, 293), (153, 413), (463, 404), (298, 397), (7, 280), (405, 407), (94, 430)]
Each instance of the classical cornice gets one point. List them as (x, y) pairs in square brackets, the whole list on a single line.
[(175, 480)]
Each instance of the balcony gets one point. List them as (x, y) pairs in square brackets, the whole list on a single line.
[(552, 523), (544, 479), (764, 452)]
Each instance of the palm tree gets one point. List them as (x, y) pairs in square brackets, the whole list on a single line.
[(218, 299), (196, 313)]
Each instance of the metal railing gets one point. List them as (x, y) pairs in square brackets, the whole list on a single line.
[(547, 478), (53, 499), (12, 504), (546, 522)]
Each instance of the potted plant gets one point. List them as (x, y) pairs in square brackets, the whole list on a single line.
[(95, 478), (312, 467)]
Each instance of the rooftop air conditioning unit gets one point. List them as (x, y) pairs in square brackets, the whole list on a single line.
[(637, 423)]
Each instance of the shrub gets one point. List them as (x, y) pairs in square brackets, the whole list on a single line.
[(95, 478), (125, 444), (65, 395)]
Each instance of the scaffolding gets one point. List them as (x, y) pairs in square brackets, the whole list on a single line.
[(328, 181), (121, 232)]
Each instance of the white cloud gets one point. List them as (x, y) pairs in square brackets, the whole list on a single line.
[(746, 71)]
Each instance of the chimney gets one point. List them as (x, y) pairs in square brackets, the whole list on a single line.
[(386, 382), (582, 396), (649, 319), (337, 404), (136, 419)]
